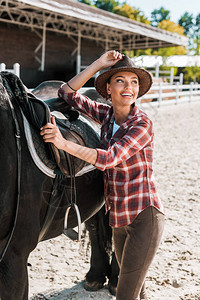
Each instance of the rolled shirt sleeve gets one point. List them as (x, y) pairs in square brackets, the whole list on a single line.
[(93, 109), (138, 136)]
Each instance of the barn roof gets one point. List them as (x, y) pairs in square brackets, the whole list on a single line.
[(75, 19)]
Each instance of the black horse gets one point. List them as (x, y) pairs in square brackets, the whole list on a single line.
[(25, 193)]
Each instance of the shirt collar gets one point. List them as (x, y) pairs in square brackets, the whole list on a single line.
[(130, 116)]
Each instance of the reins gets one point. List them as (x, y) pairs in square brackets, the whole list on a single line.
[(18, 142)]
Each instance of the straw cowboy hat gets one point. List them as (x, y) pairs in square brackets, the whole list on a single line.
[(126, 64)]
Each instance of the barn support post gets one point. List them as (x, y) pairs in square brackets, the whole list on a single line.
[(78, 54), (121, 45), (43, 48), (106, 45), (42, 45)]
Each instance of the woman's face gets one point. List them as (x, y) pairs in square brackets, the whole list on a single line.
[(123, 88)]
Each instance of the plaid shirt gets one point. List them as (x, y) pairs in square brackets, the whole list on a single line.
[(126, 159)]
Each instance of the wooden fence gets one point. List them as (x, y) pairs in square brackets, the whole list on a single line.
[(167, 74), (15, 70), (165, 94), (159, 94)]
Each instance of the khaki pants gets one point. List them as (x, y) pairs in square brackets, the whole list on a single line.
[(135, 247)]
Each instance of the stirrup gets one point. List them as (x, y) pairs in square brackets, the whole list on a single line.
[(70, 232)]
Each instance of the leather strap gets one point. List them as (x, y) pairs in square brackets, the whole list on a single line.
[(69, 232)]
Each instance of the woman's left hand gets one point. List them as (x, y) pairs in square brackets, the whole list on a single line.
[(51, 134)]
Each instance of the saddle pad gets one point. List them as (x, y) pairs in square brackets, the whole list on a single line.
[(40, 154), (38, 150)]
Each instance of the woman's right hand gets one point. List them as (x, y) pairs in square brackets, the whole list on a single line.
[(110, 58)]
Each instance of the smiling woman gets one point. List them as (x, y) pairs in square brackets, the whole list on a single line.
[(123, 88), (125, 157)]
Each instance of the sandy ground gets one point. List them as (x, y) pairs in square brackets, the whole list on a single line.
[(58, 266)]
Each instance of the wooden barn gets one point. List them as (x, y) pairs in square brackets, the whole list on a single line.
[(55, 39)]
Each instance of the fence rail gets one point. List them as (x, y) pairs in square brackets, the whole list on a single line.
[(15, 70), (168, 74), (160, 94)]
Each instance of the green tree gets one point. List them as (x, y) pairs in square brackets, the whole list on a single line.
[(108, 5), (85, 2), (171, 26), (197, 35), (198, 21), (187, 22), (191, 74), (191, 27), (158, 15), (132, 13), (175, 28)]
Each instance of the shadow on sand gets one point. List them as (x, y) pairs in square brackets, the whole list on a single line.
[(77, 292)]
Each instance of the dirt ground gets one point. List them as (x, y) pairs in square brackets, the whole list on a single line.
[(58, 266)]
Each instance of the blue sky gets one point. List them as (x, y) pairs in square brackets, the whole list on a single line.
[(176, 7)]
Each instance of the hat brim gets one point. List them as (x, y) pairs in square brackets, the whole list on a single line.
[(145, 80)]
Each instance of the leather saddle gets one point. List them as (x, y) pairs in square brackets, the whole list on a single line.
[(38, 105)]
